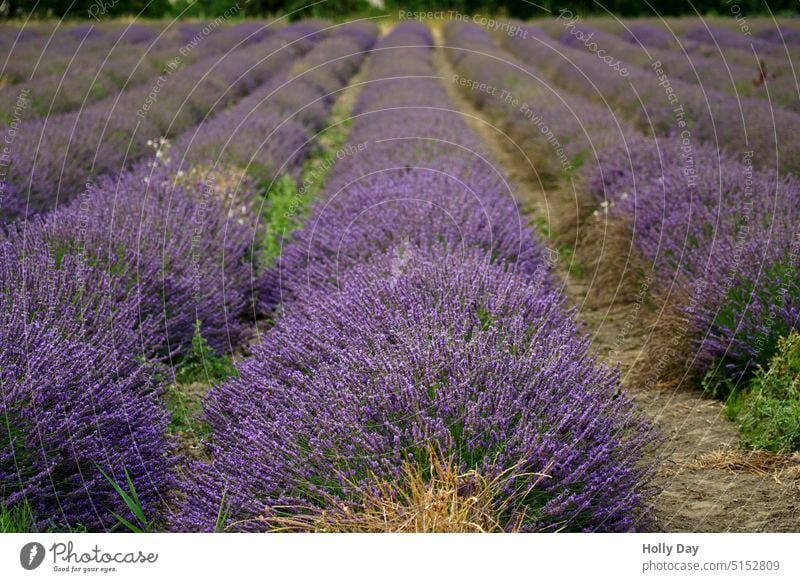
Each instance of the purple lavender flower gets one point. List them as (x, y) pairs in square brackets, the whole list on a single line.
[(449, 349), (185, 245), (75, 402)]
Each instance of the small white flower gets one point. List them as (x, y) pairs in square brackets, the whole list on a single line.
[(180, 173), (623, 196)]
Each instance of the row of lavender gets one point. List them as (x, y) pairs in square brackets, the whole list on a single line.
[(52, 160), (656, 100), (37, 49), (31, 52), (75, 67), (417, 313), (777, 46), (718, 59), (716, 230), (98, 293)]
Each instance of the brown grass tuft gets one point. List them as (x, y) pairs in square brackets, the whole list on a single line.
[(427, 499), (778, 466)]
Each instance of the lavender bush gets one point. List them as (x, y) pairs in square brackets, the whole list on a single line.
[(780, 35), (726, 235), (451, 350), (717, 230), (417, 181), (182, 243), (560, 133), (269, 132), (75, 403), (724, 37), (648, 35)]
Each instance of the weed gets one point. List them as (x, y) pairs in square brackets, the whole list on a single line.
[(202, 364), (140, 523), (769, 412), (16, 519)]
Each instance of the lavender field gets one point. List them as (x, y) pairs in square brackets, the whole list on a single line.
[(407, 273)]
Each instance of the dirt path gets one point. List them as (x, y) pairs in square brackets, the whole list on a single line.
[(696, 496)]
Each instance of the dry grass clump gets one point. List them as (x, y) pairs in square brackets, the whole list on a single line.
[(220, 179), (428, 498), (764, 463)]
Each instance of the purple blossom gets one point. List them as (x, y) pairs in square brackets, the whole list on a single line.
[(735, 124), (269, 132), (719, 231), (74, 400), (185, 245), (451, 349)]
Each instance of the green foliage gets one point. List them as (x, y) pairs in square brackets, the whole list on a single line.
[(185, 408), (16, 519), (542, 226), (202, 364), (718, 384), (283, 212), (139, 523), (567, 256), (286, 205), (778, 284), (768, 413), (222, 514), (183, 400)]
